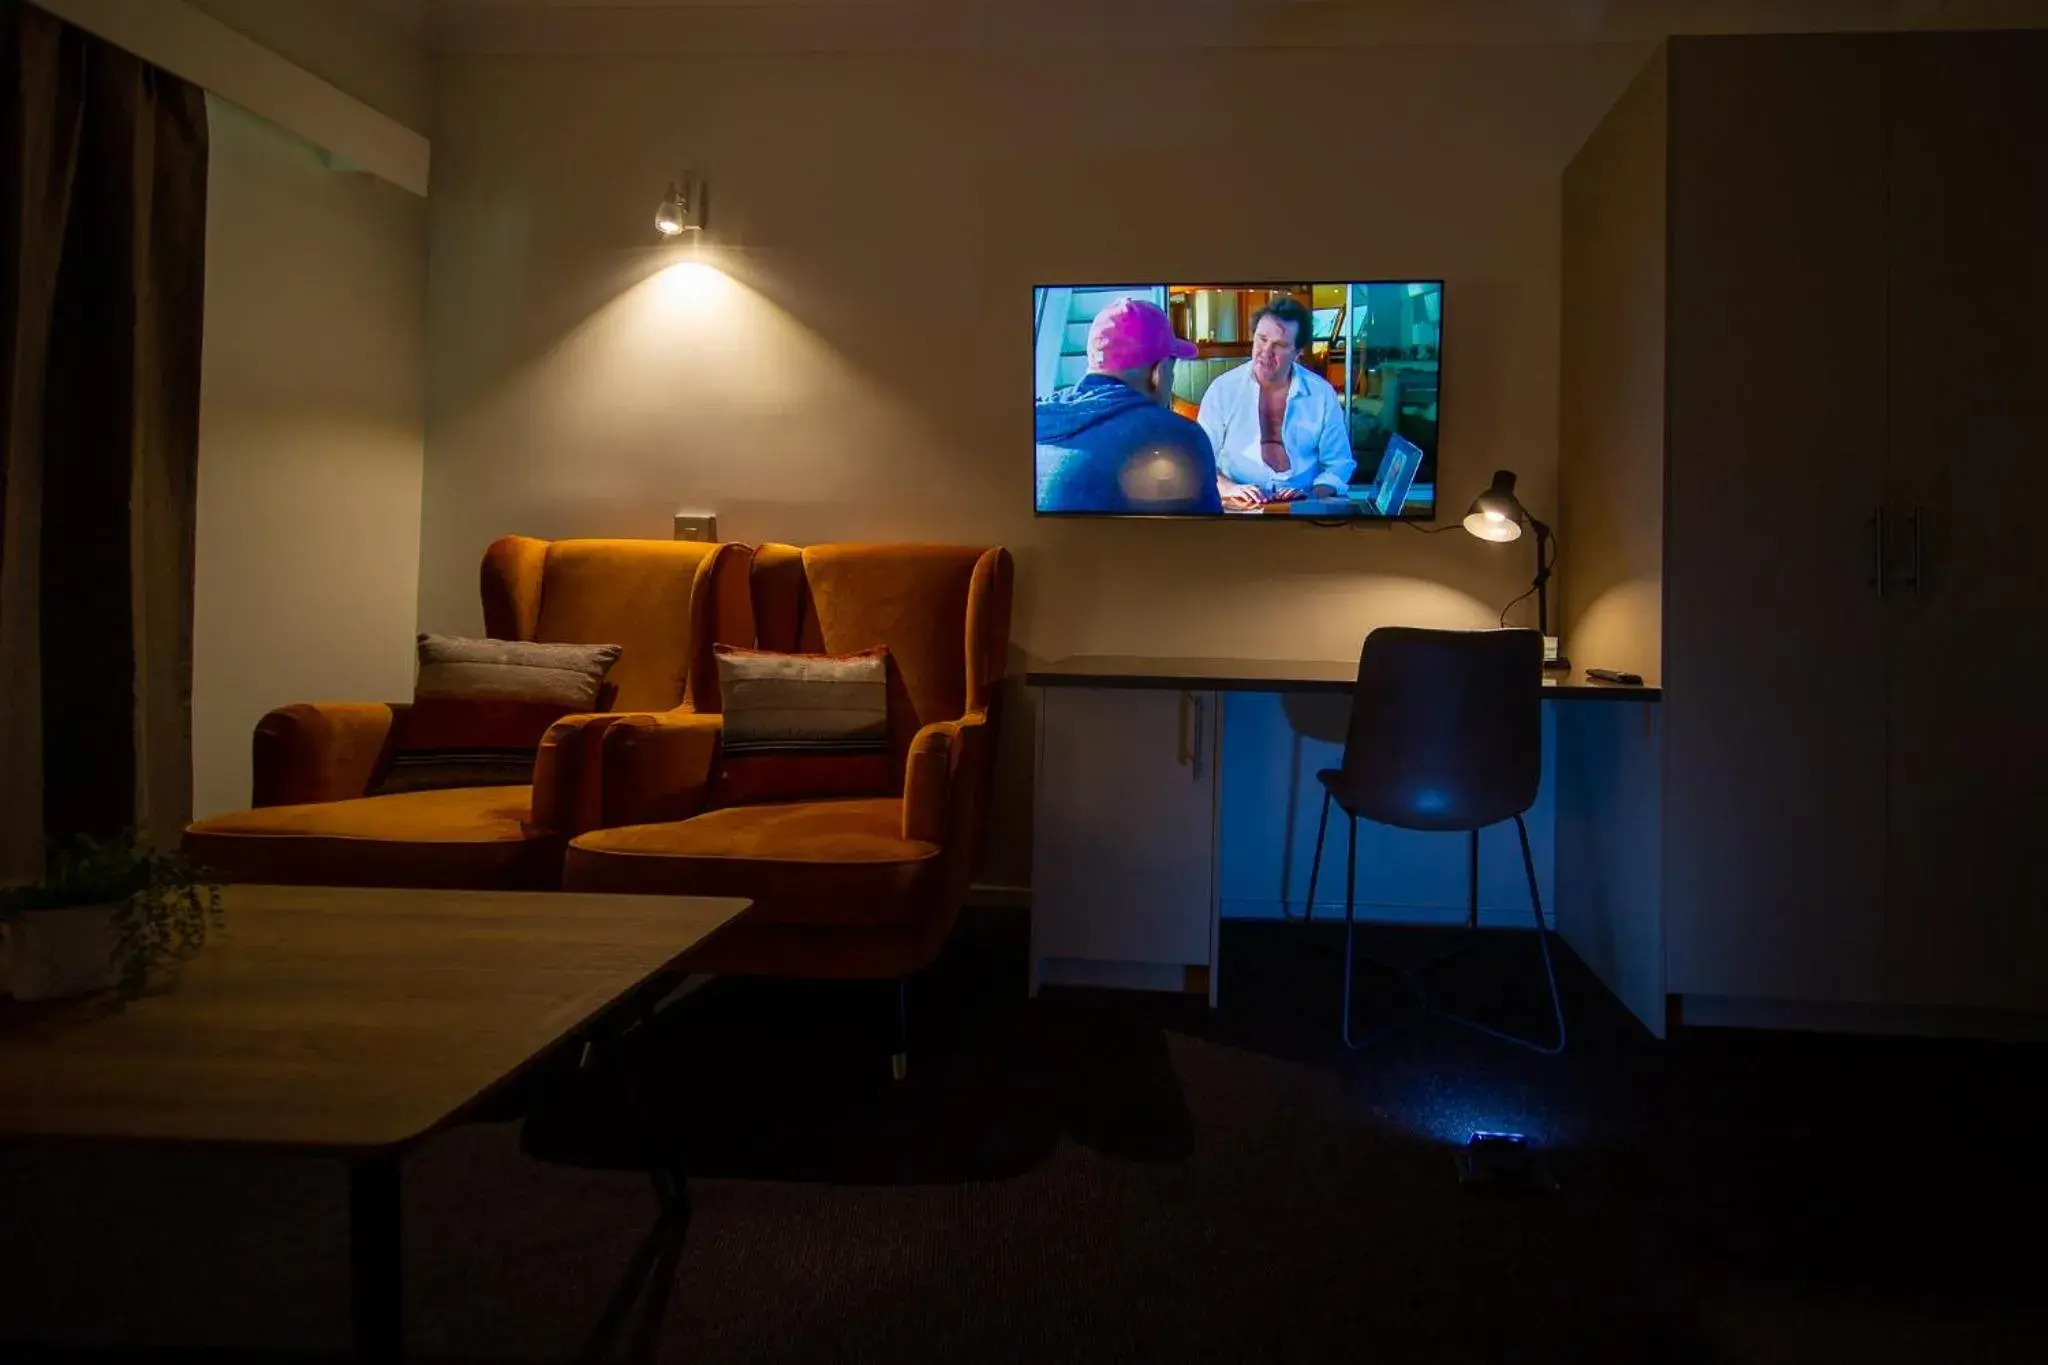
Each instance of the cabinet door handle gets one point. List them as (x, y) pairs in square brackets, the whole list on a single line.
[(1195, 746), (1877, 529), (1913, 554), (1181, 754)]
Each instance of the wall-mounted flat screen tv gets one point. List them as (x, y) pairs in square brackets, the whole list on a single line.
[(1215, 400)]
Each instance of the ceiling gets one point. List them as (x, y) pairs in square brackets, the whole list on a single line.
[(635, 25)]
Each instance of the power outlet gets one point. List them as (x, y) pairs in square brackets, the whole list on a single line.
[(697, 526)]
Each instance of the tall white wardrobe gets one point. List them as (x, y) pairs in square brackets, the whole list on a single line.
[(1804, 483)]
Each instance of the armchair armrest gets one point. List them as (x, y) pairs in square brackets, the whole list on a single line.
[(322, 751), (941, 780), (657, 767), (568, 774)]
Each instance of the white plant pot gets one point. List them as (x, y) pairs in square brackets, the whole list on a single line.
[(52, 954)]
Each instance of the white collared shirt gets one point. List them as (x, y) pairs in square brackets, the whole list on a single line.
[(1314, 432)]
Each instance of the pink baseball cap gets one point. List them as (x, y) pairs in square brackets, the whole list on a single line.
[(1132, 334)]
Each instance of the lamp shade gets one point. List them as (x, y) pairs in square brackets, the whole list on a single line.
[(1497, 514), (672, 218)]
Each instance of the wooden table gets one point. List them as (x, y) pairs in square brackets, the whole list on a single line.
[(343, 1023)]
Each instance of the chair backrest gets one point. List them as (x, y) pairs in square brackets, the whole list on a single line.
[(1446, 727), (664, 602), (942, 611)]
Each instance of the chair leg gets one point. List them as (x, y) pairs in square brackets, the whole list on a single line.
[(1350, 921), (1472, 881), (1542, 937), (1315, 867), (1542, 947), (1471, 936), (1419, 970), (899, 1063), (1351, 953)]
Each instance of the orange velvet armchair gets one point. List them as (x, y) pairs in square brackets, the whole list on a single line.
[(315, 821), (865, 887)]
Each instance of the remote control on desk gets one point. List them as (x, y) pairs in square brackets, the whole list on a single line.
[(1615, 675)]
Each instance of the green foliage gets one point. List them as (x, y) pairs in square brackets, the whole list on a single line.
[(164, 903)]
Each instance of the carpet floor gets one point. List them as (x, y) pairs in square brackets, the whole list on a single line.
[(1098, 1176)]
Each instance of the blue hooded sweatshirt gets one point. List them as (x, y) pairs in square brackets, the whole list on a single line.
[(1105, 447)]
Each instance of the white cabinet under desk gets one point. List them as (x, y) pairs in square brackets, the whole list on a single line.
[(1123, 866), (1127, 871)]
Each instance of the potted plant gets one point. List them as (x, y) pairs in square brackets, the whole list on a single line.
[(106, 913)]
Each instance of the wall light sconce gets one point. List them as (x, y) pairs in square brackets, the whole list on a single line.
[(685, 209)]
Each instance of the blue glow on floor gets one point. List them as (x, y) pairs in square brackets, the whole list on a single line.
[(1448, 1110), (1455, 1123)]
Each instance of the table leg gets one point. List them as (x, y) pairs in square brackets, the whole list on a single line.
[(376, 1282)]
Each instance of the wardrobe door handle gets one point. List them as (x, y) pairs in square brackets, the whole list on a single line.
[(1877, 529), (1913, 556), (1195, 745), (1181, 755)]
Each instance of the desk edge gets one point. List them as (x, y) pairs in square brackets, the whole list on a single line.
[(1058, 677)]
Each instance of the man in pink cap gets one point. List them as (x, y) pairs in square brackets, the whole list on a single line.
[(1113, 443)]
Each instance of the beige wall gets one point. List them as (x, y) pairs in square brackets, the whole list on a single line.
[(311, 442), (864, 371), (1611, 430)]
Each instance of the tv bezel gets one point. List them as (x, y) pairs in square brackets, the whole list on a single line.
[(1436, 502)]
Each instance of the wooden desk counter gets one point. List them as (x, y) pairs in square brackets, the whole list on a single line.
[(1129, 881), (1274, 675)]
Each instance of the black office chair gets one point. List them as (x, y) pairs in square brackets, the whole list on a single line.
[(1446, 733)]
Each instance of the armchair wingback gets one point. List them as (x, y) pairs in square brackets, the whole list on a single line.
[(943, 613), (846, 887), (663, 600), (314, 819)]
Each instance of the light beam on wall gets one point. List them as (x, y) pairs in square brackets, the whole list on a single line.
[(691, 284)]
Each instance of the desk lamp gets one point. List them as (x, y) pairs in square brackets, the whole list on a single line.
[(1498, 515)]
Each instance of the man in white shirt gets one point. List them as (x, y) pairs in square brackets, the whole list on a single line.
[(1279, 429)]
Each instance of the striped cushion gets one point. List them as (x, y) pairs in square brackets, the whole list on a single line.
[(512, 670), (480, 708), (802, 726)]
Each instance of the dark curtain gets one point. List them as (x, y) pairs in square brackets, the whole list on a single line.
[(102, 282)]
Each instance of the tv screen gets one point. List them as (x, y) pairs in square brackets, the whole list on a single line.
[(1215, 400)]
